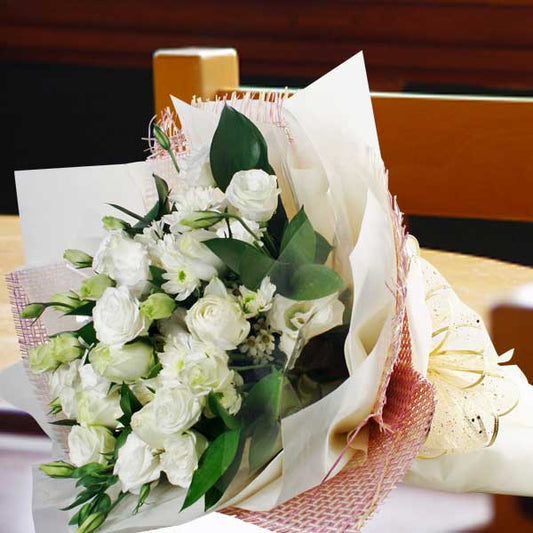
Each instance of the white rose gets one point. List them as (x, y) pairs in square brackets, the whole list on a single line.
[(88, 444), (180, 458), (254, 194), (64, 384), (203, 367), (136, 465), (95, 409), (117, 319), (255, 302), (173, 409), (123, 259), (123, 364), (218, 320), (288, 317)]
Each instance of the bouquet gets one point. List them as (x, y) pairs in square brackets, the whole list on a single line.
[(264, 339)]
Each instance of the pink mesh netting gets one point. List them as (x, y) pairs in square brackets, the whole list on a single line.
[(345, 502)]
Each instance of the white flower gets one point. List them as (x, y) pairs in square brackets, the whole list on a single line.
[(288, 317), (88, 444), (237, 230), (93, 382), (255, 302), (150, 238), (254, 194), (143, 390), (64, 384), (229, 398), (261, 345), (180, 458), (123, 259), (218, 320), (62, 348), (201, 366), (189, 200), (123, 364), (95, 409), (187, 261), (195, 169), (117, 319), (173, 409), (170, 327), (136, 465)]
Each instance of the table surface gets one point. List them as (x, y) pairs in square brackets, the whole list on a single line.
[(478, 281)]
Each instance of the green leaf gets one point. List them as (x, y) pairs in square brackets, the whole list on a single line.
[(229, 251), (128, 403), (264, 398), (265, 443), (231, 422), (255, 266), (64, 423), (237, 145), (86, 309), (161, 188), (214, 462), (323, 249), (154, 371), (145, 491), (127, 212), (277, 224), (298, 245), (81, 498), (157, 275), (87, 333), (213, 495), (82, 514), (121, 439), (311, 282)]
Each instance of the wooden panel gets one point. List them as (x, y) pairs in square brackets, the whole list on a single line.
[(477, 42), (458, 157)]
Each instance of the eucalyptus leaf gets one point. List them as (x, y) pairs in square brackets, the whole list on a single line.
[(311, 282), (298, 245), (237, 145), (214, 462), (323, 249), (265, 443), (264, 398)]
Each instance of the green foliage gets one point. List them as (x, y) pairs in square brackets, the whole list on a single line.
[(237, 145), (216, 459), (310, 282), (298, 245), (231, 422), (128, 403)]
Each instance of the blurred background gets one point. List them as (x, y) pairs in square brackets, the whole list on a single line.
[(77, 78)]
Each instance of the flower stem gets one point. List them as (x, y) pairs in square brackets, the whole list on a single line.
[(174, 160), (249, 367)]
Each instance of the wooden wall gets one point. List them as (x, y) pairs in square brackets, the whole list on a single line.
[(477, 43)]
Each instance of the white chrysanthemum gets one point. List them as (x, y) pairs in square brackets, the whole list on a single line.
[(255, 302), (187, 262), (150, 238), (189, 200)]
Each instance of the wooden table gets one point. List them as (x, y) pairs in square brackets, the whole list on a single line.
[(479, 281)]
